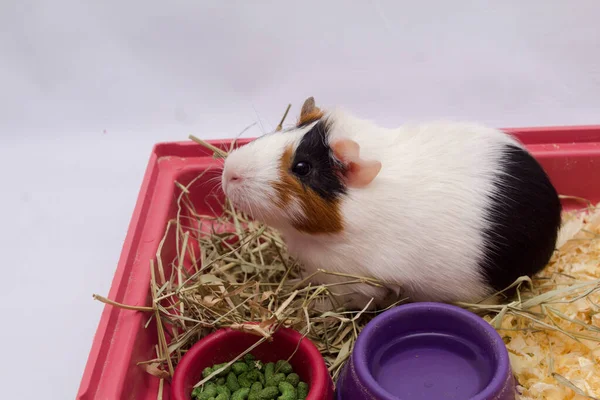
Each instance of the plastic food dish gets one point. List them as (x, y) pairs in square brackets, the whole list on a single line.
[(427, 351), (226, 344), (570, 155)]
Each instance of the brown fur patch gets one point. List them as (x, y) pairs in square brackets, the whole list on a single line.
[(320, 216), (306, 119), (309, 113)]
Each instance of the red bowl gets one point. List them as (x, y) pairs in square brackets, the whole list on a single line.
[(226, 344)]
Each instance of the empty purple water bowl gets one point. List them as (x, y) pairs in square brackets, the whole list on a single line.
[(427, 351)]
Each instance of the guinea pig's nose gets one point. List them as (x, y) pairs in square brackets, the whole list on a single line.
[(232, 176)]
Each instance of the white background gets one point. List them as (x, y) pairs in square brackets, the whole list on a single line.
[(87, 87)]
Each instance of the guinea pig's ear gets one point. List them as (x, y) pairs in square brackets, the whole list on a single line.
[(359, 172), (309, 113)]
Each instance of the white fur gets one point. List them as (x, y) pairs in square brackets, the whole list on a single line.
[(258, 166), (418, 224)]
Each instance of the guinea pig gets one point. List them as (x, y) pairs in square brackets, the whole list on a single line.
[(440, 211)]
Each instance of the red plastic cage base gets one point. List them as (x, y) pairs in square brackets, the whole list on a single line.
[(570, 155)]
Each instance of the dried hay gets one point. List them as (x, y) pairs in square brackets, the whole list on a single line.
[(231, 278)]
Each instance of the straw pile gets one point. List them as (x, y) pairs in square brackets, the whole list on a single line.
[(230, 271)]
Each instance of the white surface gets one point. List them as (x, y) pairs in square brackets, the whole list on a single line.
[(86, 89)]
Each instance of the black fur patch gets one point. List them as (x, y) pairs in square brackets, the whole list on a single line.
[(524, 219), (323, 177)]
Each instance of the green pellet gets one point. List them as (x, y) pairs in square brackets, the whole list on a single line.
[(261, 377), (302, 390), (244, 381), (239, 368), (251, 379), (269, 371), (293, 379), (196, 392), (268, 393), (232, 382), (210, 390), (275, 380), (256, 387), (288, 392), (240, 394), (225, 372), (253, 375), (223, 390), (206, 372), (255, 391), (284, 367)]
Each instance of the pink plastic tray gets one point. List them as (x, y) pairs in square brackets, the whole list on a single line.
[(571, 156)]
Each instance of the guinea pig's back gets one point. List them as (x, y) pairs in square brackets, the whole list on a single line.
[(523, 219), (456, 201)]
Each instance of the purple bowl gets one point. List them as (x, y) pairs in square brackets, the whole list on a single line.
[(427, 351)]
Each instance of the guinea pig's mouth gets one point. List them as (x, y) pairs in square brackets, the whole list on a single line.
[(237, 198), (240, 197)]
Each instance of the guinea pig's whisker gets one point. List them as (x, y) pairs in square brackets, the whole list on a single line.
[(248, 206), (214, 180), (218, 170), (213, 190), (254, 214), (234, 142)]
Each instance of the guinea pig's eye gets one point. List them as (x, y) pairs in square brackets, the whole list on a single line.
[(301, 168)]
